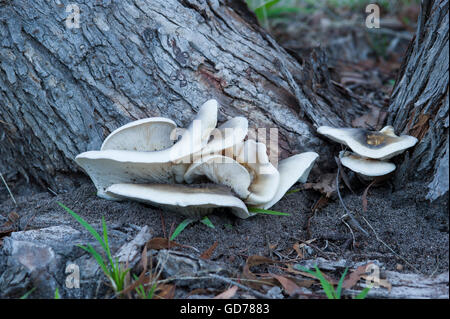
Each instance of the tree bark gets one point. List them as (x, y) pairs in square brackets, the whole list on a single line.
[(63, 90), (420, 100)]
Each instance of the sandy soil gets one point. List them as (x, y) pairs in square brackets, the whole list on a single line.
[(414, 229)]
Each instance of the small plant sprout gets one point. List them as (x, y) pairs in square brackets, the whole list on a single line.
[(328, 287), (141, 291), (28, 293), (205, 220), (112, 268), (267, 211), (57, 295)]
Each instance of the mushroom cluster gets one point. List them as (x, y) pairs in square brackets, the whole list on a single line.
[(370, 149), (206, 168)]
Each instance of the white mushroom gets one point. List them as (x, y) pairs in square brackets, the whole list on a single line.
[(381, 145), (221, 170), (266, 178), (187, 200), (228, 134), (367, 168), (292, 169), (109, 167), (150, 134), (196, 136)]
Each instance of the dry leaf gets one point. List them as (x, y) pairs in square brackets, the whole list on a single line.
[(255, 261), (326, 185), (227, 294), (165, 291), (162, 243), (372, 120), (207, 253), (288, 285), (321, 202), (297, 250)]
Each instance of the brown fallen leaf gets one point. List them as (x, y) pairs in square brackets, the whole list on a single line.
[(326, 185), (355, 276), (247, 274), (162, 243), (227, 294), (165, 291), (372, 120), (321, 202), (207, 253), (296, 247), (288, 285)]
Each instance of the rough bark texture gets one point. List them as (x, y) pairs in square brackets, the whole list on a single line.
[(62, 90), (420, 100)]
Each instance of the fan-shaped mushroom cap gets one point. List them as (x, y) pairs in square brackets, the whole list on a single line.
[(111, 167), (107, 167), (368, 168), (381, 145), (227, 135), (183, 199), (292, 169), (221, 170), (266, 178), (150, 134), (196, 136)]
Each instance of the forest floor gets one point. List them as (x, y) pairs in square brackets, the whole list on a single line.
[(405, 233)]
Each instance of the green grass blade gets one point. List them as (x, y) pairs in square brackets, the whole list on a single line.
[(105, 240), (267, 4), (84, 224), (341, 281), (292, 191), (57, 295), (181, 227), (97, 257), (25, 296), (327, 287), (207, 222), (266, 211), (363, 293)]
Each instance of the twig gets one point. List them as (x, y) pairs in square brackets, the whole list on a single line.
[(351, 231), (10, 193), (353, 220), (52, 191), (388, 247)]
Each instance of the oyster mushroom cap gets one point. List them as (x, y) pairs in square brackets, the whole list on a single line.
[(112, 166), (228, 134), (367, 167), (221, 170), (292, 169), (266, 178), (183, 199), (107, 167), (196, 136), (147, 135), (382, 144)]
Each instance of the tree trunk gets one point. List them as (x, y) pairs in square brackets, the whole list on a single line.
[(63, 90), (420, 100)]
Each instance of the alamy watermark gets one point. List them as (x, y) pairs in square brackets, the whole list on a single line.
[(373, 19)]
